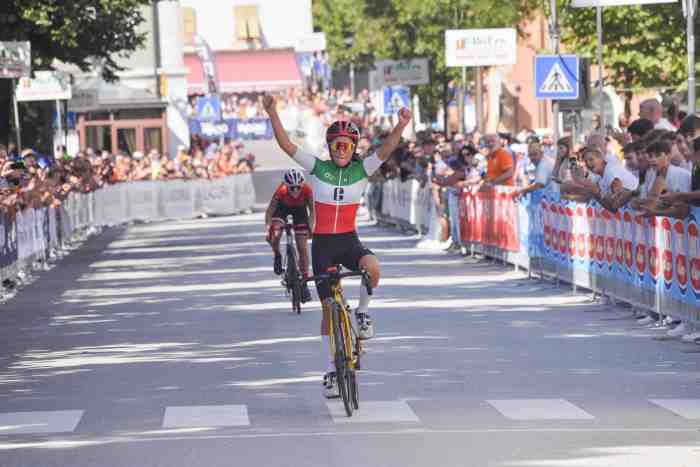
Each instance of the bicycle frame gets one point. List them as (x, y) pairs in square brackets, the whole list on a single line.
[(348, 330)]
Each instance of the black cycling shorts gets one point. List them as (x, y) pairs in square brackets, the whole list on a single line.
[(299, 215), (330, 249)]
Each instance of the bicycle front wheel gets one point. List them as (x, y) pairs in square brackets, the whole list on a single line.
[(341, 366)]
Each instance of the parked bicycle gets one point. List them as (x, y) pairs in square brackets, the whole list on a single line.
[(345, 343)]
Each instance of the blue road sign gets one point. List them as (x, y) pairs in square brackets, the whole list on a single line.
[(209, 109), (556, 77), (395, 97)]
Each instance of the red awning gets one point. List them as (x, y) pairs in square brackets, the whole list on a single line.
[(246, 71)]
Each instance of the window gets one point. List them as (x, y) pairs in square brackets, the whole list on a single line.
[(247, 24), (189, 25)]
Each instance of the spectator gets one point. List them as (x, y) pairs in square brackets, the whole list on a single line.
[(652, 110), (664, 178), (639, 128), (692, 197), (544, 166), (613, 179), (500, 166)]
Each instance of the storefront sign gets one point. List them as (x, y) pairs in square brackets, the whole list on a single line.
[(46, 86), (480, 47), (15, 59), (404, 72)]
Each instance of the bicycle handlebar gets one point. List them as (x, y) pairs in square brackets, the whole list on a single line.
[(328, 276)]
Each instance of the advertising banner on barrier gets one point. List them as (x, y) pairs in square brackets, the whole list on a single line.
[(657, 254), (491, 218), (177, 200), (233, 128), (8, 241)]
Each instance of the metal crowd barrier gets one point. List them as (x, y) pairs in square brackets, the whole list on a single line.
[(651, 263), (36, 235)]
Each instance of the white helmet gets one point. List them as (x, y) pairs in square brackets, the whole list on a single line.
[(293, 177)]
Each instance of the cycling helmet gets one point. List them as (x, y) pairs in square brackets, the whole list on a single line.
[(343, 128), (293, 177)]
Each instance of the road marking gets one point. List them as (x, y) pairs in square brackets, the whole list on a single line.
[(686, 408), (373, 412), (539, 409), (51, 421), (206, 416)]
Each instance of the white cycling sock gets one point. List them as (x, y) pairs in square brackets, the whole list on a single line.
[(330, 366), (363, 306)]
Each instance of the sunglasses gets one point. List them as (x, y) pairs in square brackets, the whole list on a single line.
[(341, 146)]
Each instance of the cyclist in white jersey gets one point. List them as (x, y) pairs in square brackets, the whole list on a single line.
[(338, 185)]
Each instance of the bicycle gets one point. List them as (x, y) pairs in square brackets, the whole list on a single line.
[(292, 279), (345, 341)]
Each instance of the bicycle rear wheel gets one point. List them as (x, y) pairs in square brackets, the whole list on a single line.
[(341, 369)]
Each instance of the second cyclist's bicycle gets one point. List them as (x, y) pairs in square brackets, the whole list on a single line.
[(292, 278), (345, 342)]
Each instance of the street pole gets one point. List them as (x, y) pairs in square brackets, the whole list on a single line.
[(59, 127), (479, 100), (690, 27), (352, 79), (599, 21), (16, 111), (554, 34), (462, 93)]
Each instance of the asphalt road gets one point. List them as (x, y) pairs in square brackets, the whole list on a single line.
[(172, 344)]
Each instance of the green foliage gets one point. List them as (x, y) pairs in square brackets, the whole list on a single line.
[(74, 31), (643, 46), (398, 29), (79, 32)]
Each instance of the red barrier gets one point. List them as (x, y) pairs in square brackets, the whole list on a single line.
[(490, 218)]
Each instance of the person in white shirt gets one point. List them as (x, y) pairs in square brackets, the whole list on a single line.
[(614, 179), (544, 166), (651, 109), (664, 179)]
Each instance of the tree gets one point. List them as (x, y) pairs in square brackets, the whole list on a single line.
[(79, 32), (399, 29), (644, 47)]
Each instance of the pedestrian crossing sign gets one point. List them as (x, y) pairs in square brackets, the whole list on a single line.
[(209, 109), (556, 77)]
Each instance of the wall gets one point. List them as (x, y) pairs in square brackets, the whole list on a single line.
[(282, 22)]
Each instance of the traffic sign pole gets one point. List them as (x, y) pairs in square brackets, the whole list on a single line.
[(16, 109), (554, 33), (599, 22)]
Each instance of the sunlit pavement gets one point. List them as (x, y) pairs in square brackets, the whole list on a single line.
[(172, 344)]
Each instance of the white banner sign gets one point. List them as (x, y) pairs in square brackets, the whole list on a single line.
[(15, 59), (47, 86), (480, 47), (402, 72), (594, 3)]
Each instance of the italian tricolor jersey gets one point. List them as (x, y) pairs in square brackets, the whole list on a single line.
[(337, 190)]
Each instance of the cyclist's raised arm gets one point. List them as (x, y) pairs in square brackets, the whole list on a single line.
[(394, 137), (280, 135)]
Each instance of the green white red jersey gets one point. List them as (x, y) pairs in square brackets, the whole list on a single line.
[(337, 190)]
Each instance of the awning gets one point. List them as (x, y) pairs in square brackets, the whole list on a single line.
[(246, 71)]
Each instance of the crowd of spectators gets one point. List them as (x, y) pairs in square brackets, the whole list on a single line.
[(32, 180), (651, 167)]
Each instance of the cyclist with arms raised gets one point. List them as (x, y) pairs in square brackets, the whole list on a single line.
[(293, 197), (338, 185)]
